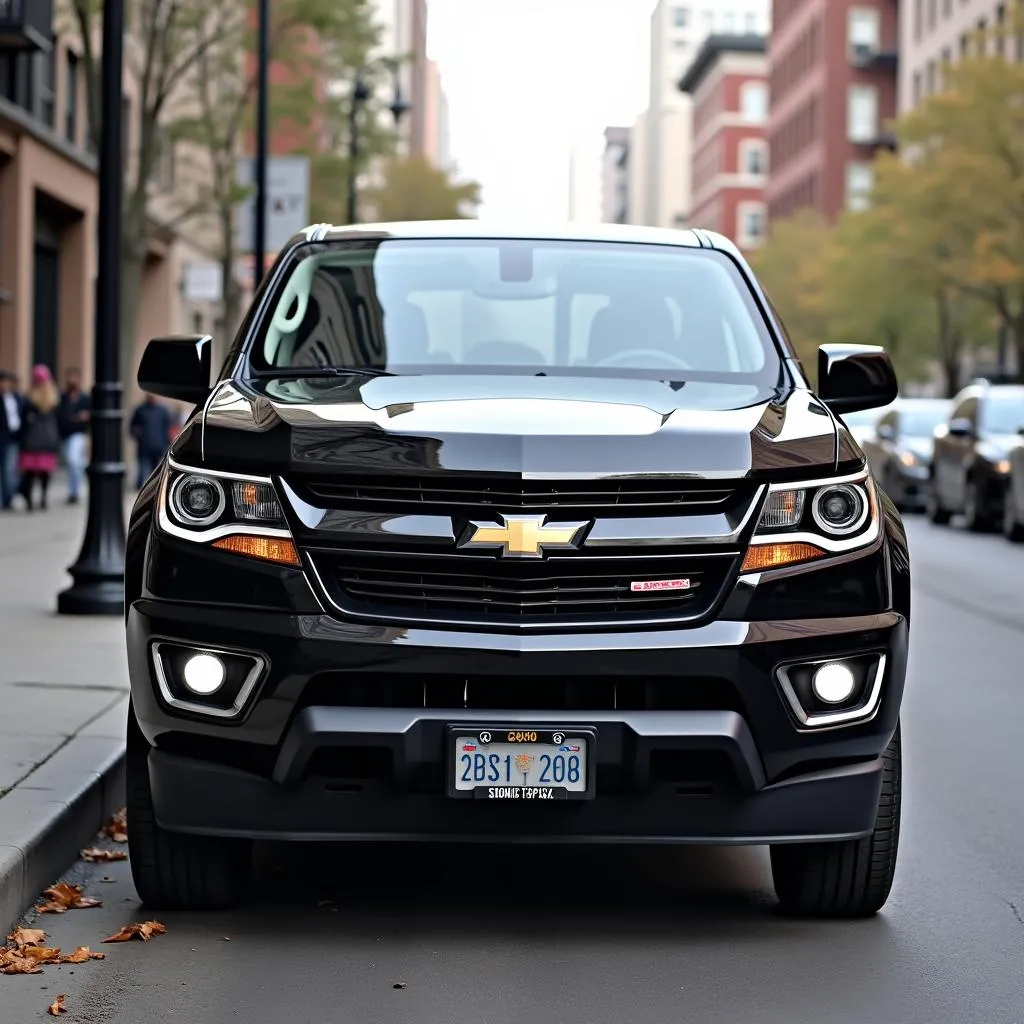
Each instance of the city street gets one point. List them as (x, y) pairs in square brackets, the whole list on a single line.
[(456, 935)]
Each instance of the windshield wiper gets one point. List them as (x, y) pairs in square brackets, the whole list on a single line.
[(323, 371)]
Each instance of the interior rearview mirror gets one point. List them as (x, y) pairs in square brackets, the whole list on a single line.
[(852, 378), (960, 427), (177, 367)]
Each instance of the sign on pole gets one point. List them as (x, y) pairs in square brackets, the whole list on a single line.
[(203, 282), (287, 201)]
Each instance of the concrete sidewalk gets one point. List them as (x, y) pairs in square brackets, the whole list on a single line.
[(63, 701)]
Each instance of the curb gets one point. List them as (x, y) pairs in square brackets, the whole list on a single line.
[(57, 810)]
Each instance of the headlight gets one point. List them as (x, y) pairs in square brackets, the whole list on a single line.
[(232, 513), (197, 500), (840, 509), (1003, 466), (808, 521), (909, 459)]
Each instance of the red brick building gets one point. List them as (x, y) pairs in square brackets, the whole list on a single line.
[(833, 96), (728, 82)]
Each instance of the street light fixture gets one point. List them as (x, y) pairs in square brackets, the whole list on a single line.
[(361, 93), (99, 571)]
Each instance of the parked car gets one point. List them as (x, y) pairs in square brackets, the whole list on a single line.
[(899, 449), (1013, 504), (861, 424), (526, 536), (970, 460)]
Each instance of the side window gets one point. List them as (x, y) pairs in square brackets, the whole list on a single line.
[(967, 410)]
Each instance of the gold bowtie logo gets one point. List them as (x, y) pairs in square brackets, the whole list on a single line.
[(523, 536)]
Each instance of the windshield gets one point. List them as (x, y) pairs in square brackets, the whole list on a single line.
[(439, 306), (921, 420), (1003, 413)]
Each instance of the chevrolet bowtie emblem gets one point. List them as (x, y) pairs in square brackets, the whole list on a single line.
[(523, 536)]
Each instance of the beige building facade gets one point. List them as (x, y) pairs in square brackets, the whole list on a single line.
[(938, 32), (48, 219)]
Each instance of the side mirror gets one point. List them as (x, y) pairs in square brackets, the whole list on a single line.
[(960, 427), (886, 432), (177, 368), (852, 378)]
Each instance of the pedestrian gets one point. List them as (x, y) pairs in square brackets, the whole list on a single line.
[(73, 418), (12, 416), (151, 427), (40, 436)]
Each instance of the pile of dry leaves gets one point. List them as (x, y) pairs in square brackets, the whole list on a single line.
[(26, 951)]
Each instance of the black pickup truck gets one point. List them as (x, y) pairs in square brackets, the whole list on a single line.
[(503, 536)]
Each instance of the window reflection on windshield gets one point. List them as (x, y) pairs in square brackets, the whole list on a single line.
[(1003, 414), (436, 305)]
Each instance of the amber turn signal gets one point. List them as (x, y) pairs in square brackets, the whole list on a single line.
[(773, 556), (267, 549)]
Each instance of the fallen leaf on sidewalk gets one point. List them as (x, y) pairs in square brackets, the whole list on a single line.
[(81, 955), (66, 897), (57, 1007), (11, 962), (117, 827), (41, 954), (26, 937), (97, 855), (144, 931)]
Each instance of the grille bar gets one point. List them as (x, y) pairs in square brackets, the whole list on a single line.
[(453, 495), (489, 590)]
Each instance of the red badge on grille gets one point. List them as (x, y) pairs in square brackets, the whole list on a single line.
[(659, 585)]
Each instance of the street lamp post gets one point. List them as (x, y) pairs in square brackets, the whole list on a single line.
[(361, 93), (262, 145), (98, 574)]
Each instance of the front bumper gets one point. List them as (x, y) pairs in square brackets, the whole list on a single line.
[(716, 757)]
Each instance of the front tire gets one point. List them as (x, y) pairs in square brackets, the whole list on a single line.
[(174, 870), (1012, 529), (933, 506), (848, 879)]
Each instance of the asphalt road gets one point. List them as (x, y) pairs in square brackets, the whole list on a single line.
[(526, 936)]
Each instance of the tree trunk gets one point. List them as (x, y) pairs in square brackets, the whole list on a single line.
[(949, 345), (132, 266), (1017, 326)]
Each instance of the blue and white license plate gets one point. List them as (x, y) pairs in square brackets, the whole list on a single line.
[(521, 763)]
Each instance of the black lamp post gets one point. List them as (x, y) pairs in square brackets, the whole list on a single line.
[(98, 587), (262, 145), (361, 93)]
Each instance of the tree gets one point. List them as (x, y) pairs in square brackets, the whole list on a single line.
[(170, 38), (792, 271), (867, 299), (920, 253), (225, 91), (966, 148), (412, 188)]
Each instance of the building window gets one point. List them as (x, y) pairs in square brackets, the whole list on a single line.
[(917, 88), (750, 22), (947, 8), (753, 154), (931, 15), (863, 31), (862, 113), (917, 19), (680, 45), (44, 69), (71, 97), (729, 21), (166, 165), (754, 102), (681, 17), (126, 130), (750, 225), (860, 180), (930, 78), (709, 20)]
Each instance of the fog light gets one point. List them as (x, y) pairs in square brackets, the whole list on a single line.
[(833, 683), (204, 674)]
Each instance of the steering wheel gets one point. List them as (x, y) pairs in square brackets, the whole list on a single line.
[(659, 359)]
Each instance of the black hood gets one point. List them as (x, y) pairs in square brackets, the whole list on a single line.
[(530, 425)]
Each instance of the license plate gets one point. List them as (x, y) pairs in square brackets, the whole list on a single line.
[(519, 763)]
